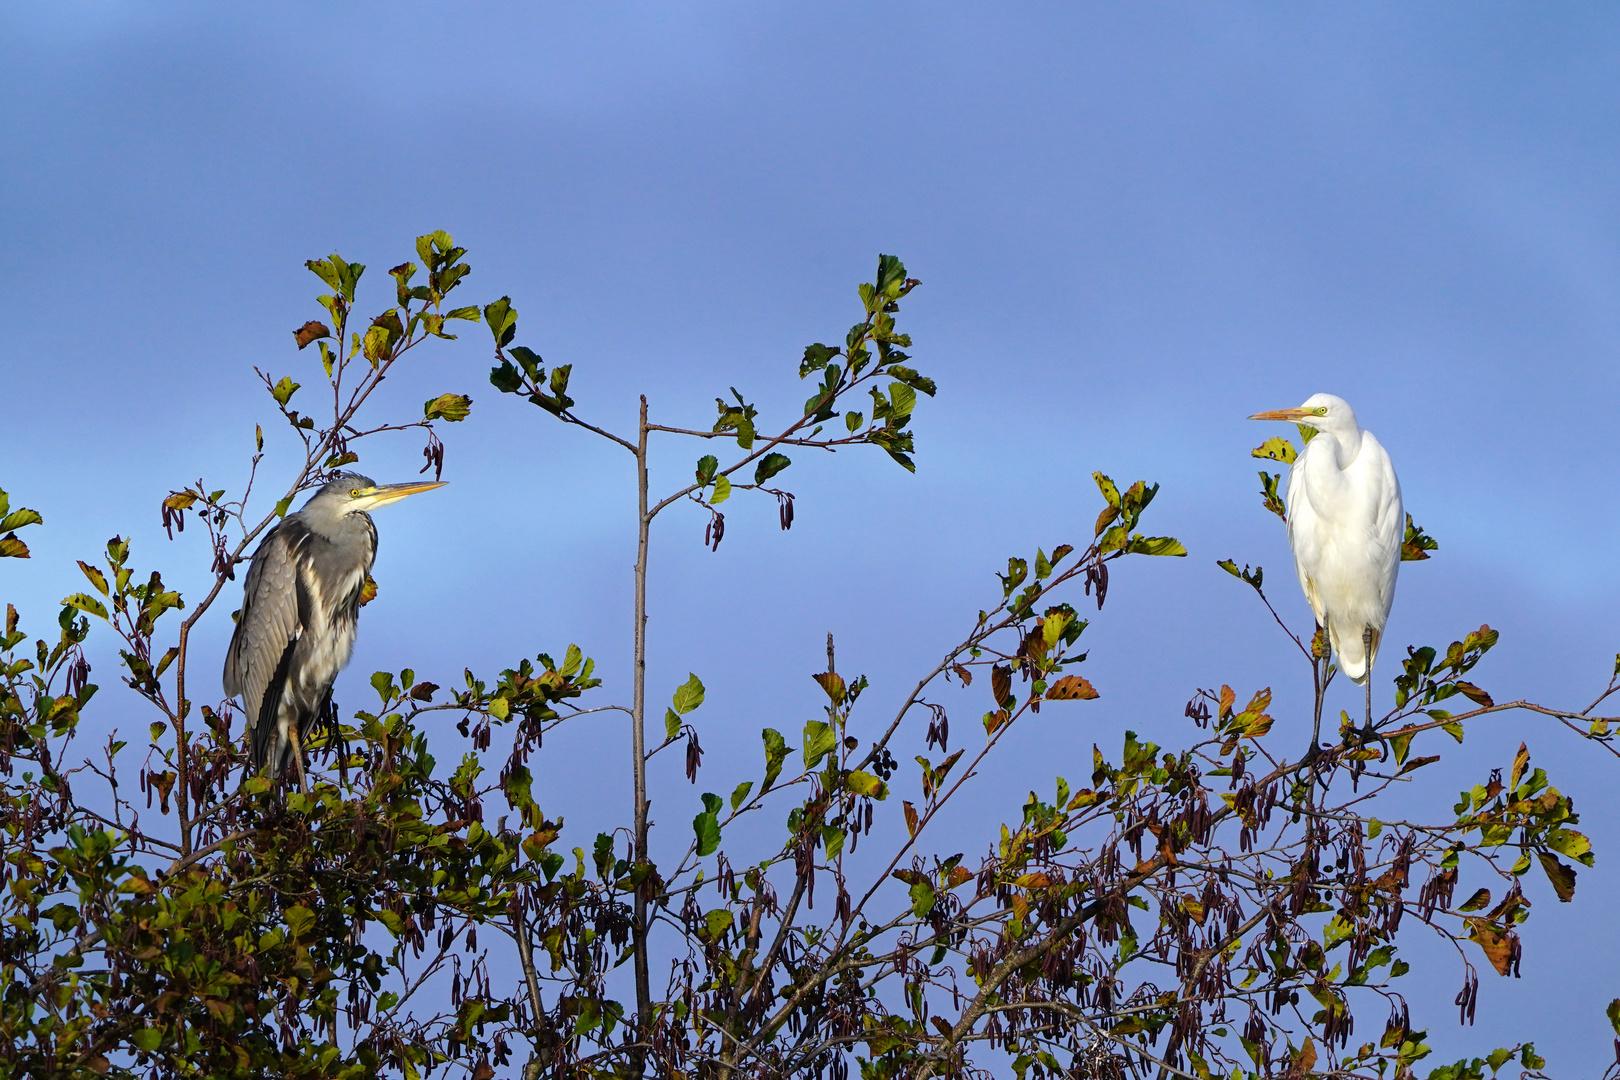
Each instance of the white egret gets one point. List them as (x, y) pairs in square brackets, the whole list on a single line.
[(1345, 526)]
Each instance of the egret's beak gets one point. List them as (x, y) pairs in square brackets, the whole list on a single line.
[(389, 493), (1296, 414)]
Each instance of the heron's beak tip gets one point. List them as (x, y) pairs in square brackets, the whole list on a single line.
[(388, 493)]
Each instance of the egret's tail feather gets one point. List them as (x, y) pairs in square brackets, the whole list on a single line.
[(1351, 652)]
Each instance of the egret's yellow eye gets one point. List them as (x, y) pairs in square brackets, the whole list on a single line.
[(1320, 410)]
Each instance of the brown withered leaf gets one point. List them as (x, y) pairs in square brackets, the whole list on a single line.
[(963, 673), (1473, 693), (311, 331), (1500, 946), (368, 591), (1228, 699), (1480, 898), (833, 684), (994, 721), (1106, 518), (483, 1071), (12, 548), (424, 691), (1307, 1057), (1072, 688), (959, 875), (1561, 875), (1000, 682), (911, 819)]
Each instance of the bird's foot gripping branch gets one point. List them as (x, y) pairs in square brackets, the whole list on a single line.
[(1222, 904)]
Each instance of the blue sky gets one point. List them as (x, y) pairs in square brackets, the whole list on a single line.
[(1135, 226)]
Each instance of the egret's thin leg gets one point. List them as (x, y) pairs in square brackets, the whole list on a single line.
[(298, 757), (1366, 652)]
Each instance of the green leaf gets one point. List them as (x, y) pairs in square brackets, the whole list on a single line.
[(891, 277), (903, 401), (468, 313), (18, 518), (707, 466), (815, 358), (148, 1039), (717, 922), (327, 272), (1276, 448), (1613, 1013), (769, 466), (1106, 486), (776, 751), (300, 920), (502, 320), (741, 793), (1416, 544), (284, 390), (87, 604), (281, 507), (819, 740), (505, 378), (383, 683), (922, 898), (706, 826), (672, 725), (1571, 844), (451, 407), (689, 695), (1154, 545), (864, 783), (722, 490)]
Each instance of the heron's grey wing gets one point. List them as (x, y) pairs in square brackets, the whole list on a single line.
[(266, 632)]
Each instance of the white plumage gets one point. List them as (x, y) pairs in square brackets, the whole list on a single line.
[(1345, 525)]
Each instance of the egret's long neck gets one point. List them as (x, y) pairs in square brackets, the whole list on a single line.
[(1346, 439)]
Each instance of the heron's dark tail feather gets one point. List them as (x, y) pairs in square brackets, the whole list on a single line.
[(265, 735)]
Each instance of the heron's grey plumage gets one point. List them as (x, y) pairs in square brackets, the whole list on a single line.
[(300, 607)]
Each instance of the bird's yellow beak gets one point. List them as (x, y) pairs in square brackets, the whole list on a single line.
[(1295, 414), (390, 493)]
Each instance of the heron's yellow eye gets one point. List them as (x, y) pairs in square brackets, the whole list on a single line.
[(354, 493)]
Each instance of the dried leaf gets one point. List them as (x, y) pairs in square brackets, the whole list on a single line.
[(310, 331), (1071, 688), (1561, 875), (1500, 946), (1000, 683)]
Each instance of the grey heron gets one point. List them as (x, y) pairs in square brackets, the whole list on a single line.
[(300, 606), (1344, 524)]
